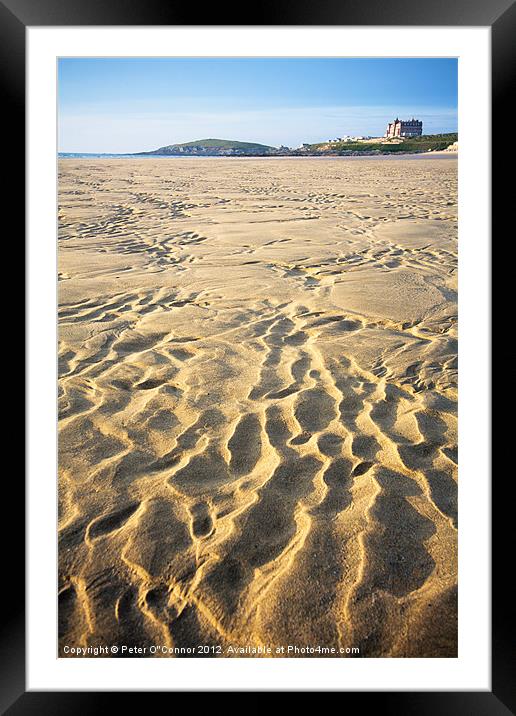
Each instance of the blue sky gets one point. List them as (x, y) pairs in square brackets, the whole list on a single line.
[(137, 104)]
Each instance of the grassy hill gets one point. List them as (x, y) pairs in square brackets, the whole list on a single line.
[(433, 142), (215, 146)]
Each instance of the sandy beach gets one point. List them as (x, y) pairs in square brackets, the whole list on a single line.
[(258, 405)]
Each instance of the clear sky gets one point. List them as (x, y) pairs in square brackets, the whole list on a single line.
[(138, 104)]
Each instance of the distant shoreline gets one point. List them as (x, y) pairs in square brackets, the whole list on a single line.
[(373, 147), (362, 155)]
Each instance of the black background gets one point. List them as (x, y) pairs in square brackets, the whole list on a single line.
[(15, 15)]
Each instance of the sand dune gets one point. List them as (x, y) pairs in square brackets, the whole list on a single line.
[(257, 404)]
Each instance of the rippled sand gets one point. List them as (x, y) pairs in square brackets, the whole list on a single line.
[(257, 396)]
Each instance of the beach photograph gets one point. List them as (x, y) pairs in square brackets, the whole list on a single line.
[(257, 357)]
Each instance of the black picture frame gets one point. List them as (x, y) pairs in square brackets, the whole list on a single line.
[(500, 15)]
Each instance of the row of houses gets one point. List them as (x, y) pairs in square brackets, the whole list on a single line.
[(346, 139), (398, 128)]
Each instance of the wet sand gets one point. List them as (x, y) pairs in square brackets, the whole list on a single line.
[(257, 404)]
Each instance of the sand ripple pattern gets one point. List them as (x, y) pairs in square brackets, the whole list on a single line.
[(257, 404)]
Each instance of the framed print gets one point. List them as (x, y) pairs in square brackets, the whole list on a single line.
[(258, 353)]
